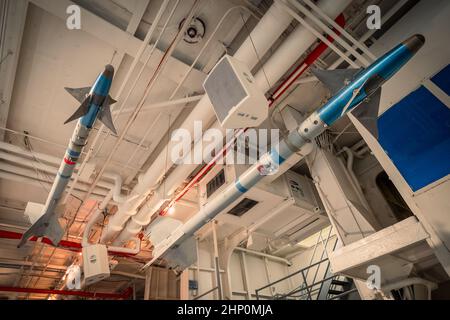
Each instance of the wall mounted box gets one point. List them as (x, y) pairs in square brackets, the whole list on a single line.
[(95, 263), (237, 100)]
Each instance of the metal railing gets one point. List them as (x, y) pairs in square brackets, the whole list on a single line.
[(297, 290), (312, 289)]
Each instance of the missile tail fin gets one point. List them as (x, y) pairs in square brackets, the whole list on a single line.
[(46, 226), (367, 113), (110, 101), (336, 79), (79, 93), (81, 111), (182, 256), (105, 114)]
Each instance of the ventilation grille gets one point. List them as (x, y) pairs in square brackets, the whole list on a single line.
[(242, 207), (215, 183)]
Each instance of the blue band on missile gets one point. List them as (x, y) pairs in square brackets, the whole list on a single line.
[(343, 102), (73, 154), (63, 177), (102, 86), (240, 187), (89, 118), (276, 157)]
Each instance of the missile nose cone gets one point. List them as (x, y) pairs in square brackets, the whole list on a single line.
[(415, 42), (109, 71)]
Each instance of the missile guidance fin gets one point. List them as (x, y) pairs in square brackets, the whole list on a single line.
[(110, 101), (367, 113), (79, 93), (105, 117), (47, 226), (81, 111), (161, 228), (182, 256), (335, 80)]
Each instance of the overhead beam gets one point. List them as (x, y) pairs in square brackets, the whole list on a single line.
[(182, 102), (138, 13), (15, 24), (119, 39), (136, 18)]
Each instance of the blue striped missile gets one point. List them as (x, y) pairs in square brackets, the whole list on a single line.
[(355, 90), (95, 104), (352, 88)]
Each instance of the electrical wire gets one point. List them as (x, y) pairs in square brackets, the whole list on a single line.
[(28, 146)]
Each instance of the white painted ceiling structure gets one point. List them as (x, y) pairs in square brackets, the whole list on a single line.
[(46, 57)]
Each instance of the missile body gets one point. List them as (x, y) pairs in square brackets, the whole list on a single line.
[(95, 103), (355, 88)]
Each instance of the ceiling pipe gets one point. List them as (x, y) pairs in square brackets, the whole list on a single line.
[(65, 244), (163, 105), (85, 294), (267, 31), (341, 30), (17, 155), (10, 148), (300, 40), (327, 30), (32, 164), (264, 255), (38, 183), (62, 147), (117, 189), (144, 215), (95, 217), (23, 175)]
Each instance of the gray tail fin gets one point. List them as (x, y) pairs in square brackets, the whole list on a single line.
[(367, 113), (79, 93), (46, 226), (182, 256), (81, 111), (105, 114), (336, 79)]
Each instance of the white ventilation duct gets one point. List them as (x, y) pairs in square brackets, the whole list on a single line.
[(295, 45), (26, 158)]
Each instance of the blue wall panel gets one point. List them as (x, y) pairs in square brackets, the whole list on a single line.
[(415, 133), (442, 79)]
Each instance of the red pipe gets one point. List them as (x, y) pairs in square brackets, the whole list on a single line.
[(279, 91), (101, 295), (309, 60), (63, 244)]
